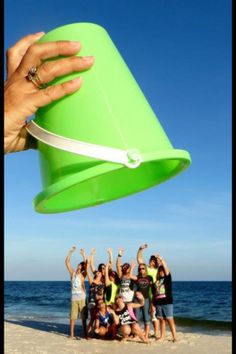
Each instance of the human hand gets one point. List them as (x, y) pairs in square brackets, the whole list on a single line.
[(93, 251), (121, 251), (143, 246), (159, 258), (139, 295), (72, 249), (133, 264), (82, 251), (109, 250), (22, 98)]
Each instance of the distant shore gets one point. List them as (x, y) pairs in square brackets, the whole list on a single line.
[(32, 337)]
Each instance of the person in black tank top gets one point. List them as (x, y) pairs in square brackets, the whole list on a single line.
[(127, 320)]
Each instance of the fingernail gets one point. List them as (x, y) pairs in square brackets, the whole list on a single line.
[(89, 58), (75, 44), (39, 34), (77, 80)]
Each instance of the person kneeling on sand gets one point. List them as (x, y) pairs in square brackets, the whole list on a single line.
[(127, 320), (105, 321)]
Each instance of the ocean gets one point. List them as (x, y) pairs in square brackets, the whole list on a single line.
[(197, 304)]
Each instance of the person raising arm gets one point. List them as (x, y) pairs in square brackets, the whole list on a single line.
[(78, 293)]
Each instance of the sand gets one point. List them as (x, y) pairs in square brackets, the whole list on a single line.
[(44, 338)]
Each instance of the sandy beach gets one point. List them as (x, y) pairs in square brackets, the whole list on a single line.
[(30, 337)]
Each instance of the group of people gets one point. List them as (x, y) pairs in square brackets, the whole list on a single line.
[(120, 302), (117, 300)]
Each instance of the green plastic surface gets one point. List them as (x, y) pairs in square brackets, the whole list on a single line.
[(110, 110)]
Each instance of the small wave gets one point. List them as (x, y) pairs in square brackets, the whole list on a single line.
[(207, 324)]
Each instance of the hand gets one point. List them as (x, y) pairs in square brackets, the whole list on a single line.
[(133, 264), (109, 250), (143, 246), (72, 249), (159, 258), (22, 98), (82, 251), (139, 295), (93, 251), (121, 251)]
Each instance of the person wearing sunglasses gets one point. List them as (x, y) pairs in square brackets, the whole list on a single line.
[(152, 269), (144, 285), (128, 323)]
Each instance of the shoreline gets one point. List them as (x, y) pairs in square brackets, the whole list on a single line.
[(37, 337)]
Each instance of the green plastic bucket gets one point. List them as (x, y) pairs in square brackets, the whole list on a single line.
[(104, 141)]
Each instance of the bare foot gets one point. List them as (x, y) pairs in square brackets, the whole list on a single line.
[(71, 337), (160, 340), (147, 341)]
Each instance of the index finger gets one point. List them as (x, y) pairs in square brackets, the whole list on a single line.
[(39, 52), (18, 50)]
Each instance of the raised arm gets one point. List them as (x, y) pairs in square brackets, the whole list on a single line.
[(140, 253), (92, 253), (67, 260), (162, 262), (107, 280), (133, 265), (118, 263), (90, 278), (83, 254), (110, 259)]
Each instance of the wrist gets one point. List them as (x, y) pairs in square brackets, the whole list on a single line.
[(119, 255)]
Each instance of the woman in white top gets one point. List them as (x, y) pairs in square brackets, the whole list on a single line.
[(78, 292)]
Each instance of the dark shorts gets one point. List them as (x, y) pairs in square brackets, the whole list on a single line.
[(164, 311)]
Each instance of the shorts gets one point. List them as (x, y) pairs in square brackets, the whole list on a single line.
[(78, 307), (164, 311)]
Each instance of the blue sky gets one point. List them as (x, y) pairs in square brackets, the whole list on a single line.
[(180, 54)]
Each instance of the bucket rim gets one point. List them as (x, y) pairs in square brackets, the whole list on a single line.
[(103, 168)]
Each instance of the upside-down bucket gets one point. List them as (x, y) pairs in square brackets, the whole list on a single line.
[(104, 141)]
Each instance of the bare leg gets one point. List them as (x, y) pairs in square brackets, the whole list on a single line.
[(162, 329), (138, 331), (72, 326), (102, 331), (147, 330), (125, 330), (90, 325), (156, 326), (171, 323)]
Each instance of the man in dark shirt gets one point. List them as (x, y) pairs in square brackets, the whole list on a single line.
[(163, 299)]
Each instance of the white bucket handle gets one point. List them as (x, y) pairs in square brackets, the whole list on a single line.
[(130, 158)]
